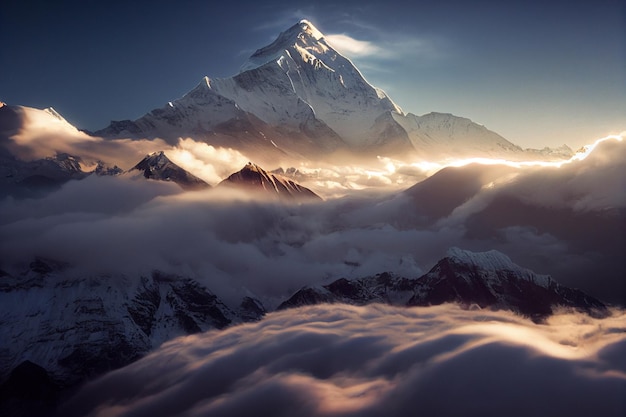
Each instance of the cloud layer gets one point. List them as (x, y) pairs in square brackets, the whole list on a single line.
[(377, 360), (567, 222)]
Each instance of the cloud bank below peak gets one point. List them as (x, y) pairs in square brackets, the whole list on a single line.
[(377, 360)]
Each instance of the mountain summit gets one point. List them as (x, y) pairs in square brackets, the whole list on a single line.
[(255, 179), (299, 97), (324, 79), (302, 34)]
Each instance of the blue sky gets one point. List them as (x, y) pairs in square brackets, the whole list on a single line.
[(537, 74)]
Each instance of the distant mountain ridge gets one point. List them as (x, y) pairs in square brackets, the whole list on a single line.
[(58, 330), (485, 279)]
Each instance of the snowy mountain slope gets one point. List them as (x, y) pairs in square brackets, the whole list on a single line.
[(255, 179), (270, 92), (487, 279), (209, 116), (199, 111), (157, 166), (299, 85), (445, 135), (327, 81), (77, 327), (13, 118)]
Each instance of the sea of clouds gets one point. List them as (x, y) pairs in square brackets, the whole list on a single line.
[(567, 222), (339, 360)]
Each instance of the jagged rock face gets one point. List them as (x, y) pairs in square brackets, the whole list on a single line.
[(451, 281), (256, 179), (251, 309), (80, 327), (487, 280), (157, 166)]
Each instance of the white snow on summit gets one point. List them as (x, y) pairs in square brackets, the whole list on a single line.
[(322, 78)]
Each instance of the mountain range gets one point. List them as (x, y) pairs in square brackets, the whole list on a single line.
[(482, 280), (25, 177), (61, 329), (297, 99)]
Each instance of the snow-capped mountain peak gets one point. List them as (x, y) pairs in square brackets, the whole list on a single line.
[(310, 29), (255, 179), (493, 261), (300, 96), (323, 79), (301, 37), (156, 160)]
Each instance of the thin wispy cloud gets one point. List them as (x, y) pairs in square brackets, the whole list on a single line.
[(354, 47), (389, 48)]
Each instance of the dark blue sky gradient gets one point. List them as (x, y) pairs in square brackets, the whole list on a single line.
[(537, 74)]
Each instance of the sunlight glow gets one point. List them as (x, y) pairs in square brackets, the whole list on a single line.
[(430, 167)]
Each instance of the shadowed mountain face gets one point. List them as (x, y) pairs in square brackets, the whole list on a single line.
[(255, 179), (437, 196)]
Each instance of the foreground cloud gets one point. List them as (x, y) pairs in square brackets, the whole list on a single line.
[(365, 361)]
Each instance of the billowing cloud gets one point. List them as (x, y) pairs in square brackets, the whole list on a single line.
[(206, 161), (377, 360), (388, 47)]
